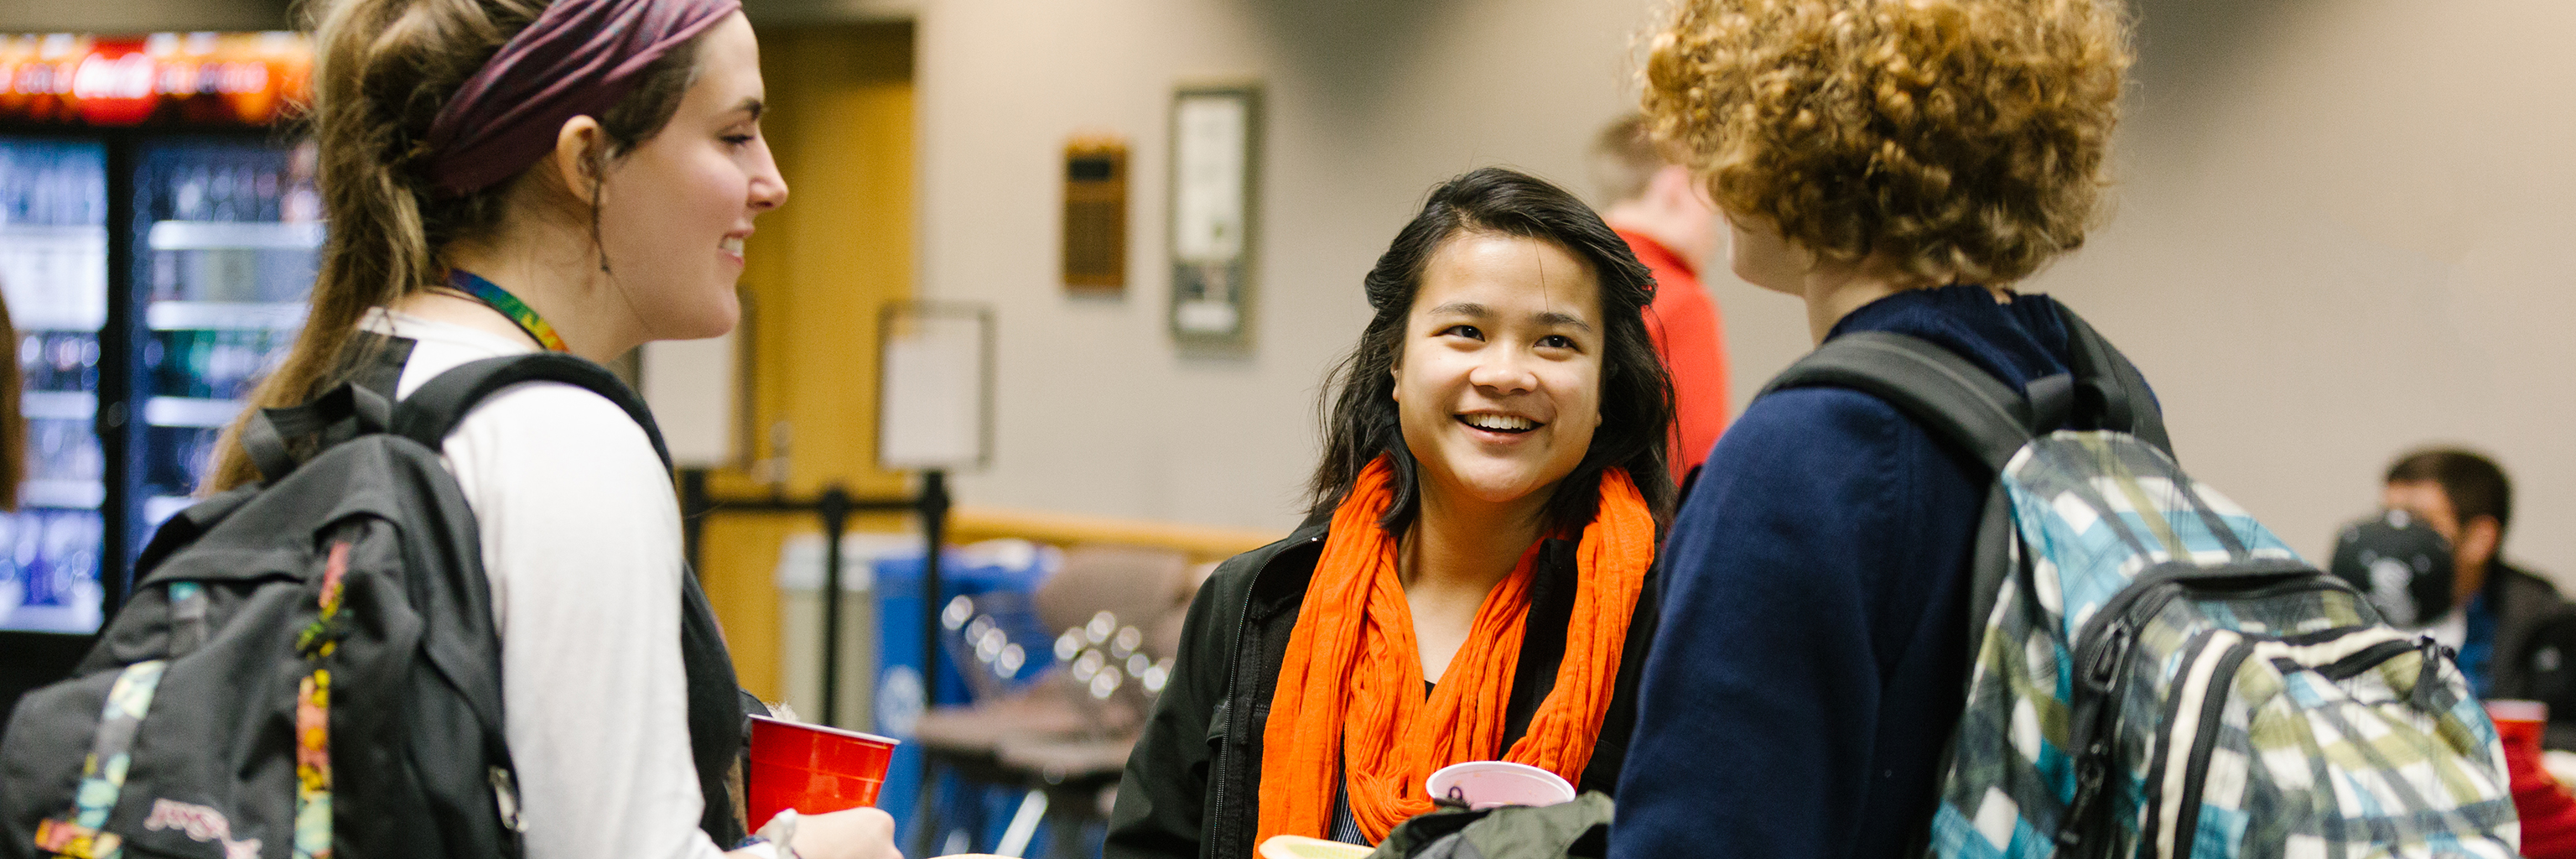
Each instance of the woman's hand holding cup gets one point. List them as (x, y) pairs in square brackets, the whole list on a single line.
[(856, 833)]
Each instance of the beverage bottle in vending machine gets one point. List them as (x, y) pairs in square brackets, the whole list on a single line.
[(202, 346), (13, 586), (224, 365), (68, 561), (32, 370), (71, 360), (35, 564)]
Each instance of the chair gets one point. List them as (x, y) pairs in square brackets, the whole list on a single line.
[(1056, 737)]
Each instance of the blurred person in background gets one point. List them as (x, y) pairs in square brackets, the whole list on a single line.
[(2404, 559), (2495, 606), (1668, 221), (507, 176), (1473, 579), (1899, 165)]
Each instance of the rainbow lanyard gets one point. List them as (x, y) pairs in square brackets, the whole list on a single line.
[(500, 299)]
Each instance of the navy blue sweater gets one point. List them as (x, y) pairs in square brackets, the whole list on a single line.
[(1812, 654)]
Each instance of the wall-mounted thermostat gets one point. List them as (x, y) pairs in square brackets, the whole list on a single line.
[(1095, 214)]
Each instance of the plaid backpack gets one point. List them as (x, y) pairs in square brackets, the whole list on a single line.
[(2156, 676)]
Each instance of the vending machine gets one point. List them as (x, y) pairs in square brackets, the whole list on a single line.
[(53, 270), (158, 234)]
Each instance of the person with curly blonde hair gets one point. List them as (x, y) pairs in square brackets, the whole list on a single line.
[(1899, 165)]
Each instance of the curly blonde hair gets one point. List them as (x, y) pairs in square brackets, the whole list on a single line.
[(1962, 139)]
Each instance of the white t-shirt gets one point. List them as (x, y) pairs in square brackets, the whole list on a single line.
[(581, 542), (2453, 629)]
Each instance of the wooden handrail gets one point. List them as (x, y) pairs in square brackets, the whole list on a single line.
[(1200, 542)]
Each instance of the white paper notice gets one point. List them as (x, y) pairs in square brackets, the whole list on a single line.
[(691, 386), (1207, 212), (931, 414)]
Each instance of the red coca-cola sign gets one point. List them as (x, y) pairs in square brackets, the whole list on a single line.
[(161, 79), (113, 85)]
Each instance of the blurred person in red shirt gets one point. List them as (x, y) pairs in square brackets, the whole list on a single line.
[(2547, 809), (1669, 222)]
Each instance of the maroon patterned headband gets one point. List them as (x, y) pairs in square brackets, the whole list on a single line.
[(577, 59)]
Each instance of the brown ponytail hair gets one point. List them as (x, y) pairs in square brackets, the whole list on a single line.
[(382, 70), (13, 425)]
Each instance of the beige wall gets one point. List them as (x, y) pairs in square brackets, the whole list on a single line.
[(1368, 105), (2344, 229), (841, 129)]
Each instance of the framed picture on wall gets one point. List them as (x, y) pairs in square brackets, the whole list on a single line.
[(1216, 133)]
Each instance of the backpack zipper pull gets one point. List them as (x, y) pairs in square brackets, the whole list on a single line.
[(505, 797), (2429, 677), (2088, 787), (2099, 678), (2106, 666)]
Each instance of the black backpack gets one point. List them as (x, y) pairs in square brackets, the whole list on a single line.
[(309, 664)]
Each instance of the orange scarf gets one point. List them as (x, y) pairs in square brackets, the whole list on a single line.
[(1350, 701)]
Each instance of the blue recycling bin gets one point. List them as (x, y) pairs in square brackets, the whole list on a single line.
[(1001, 577)]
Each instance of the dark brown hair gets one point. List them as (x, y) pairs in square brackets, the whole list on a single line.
[(1361, 418), (2475, 484), (382, 70)]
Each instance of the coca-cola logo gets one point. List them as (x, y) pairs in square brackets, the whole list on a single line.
[(163, 78), (114, 85)]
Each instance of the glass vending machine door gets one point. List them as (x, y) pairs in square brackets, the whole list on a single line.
[(53, 272), (231, 238)]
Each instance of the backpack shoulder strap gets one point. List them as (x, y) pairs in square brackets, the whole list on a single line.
[(717, 723), (2110, 386), (1958, 401), (434, 410), (1968, 407), (280, 439), (1963, 405)]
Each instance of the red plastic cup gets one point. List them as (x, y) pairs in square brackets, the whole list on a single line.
[(812, 768), (2519, 722)]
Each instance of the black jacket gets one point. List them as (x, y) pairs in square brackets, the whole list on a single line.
[(2522, 603), (1192, 785)]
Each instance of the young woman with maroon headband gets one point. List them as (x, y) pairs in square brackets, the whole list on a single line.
[(505, 176)]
